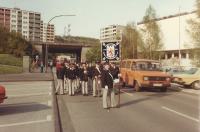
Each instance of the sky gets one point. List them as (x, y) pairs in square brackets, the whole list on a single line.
[(91, 15)]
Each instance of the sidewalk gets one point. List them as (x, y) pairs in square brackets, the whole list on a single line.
[(26, 77)]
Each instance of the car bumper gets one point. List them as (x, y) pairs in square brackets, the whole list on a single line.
[(155, 85)]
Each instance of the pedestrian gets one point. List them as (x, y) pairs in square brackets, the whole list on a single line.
[(41, 67), (107, 85), (72, 79), (77, 73), (97, 81), (66, 78), (51, 65), (84, 79), (115, 71), (60, 79), (90, 75)]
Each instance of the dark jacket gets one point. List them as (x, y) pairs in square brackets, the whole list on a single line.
[(66, 69), (83, 75), (115, 71), (60, 73), (107, 79), (90, 72), (97, 72), (72, 74)]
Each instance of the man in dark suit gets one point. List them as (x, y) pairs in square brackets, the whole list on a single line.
[(72, 79), (107, 85), (97, 80), (60, 79)]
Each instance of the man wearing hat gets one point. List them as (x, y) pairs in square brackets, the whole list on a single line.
[(107, 85), (72, 79), (97, 80)]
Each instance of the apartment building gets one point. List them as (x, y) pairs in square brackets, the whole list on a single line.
[(111, 32), (28, 23), (178, 45), (47, 33), (5, 17)]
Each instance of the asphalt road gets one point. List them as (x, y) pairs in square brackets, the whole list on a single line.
[(29, 107), (147, 111)]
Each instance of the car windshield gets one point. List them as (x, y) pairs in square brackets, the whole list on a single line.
[(148, 66), (190, 71)]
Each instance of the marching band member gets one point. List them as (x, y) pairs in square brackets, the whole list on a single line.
[(84, 79), (60, 79), (66, 77), (72, 79), (107, 84), (97, 81)]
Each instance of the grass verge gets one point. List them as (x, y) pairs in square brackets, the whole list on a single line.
[(5, 69)]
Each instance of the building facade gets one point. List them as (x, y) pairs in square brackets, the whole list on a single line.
[(5, 17), (47, 33), (112, 32), (178, 45), (28, 23)]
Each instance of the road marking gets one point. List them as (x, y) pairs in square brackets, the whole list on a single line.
[(26, 95), (49, 103), (48, 119), (126, 93), (180, 114)]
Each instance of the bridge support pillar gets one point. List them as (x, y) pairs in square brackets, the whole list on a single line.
[(83, 53)]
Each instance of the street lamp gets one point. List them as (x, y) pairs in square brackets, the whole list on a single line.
[(46, 46)]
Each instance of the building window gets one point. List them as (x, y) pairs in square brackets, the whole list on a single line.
[(13, 26)]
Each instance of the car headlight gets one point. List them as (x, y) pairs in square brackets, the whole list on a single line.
[(146, 78)]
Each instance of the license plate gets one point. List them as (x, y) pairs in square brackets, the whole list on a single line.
[(157, 85)]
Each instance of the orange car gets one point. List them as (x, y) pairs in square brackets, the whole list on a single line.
[(142, 73)]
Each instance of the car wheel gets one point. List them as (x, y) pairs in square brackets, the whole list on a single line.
[(196, 85), (163, 89), (137, 87)]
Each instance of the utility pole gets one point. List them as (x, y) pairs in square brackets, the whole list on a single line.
[(179, 39), (46, 45)]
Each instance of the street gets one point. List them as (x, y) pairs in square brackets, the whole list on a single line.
[(150, 111), (29, 107)]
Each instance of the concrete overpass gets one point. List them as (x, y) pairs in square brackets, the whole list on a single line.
[(80, 49)]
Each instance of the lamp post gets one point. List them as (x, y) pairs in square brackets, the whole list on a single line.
[(46, 46)]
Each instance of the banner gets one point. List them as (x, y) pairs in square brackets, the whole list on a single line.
[(110, 51)]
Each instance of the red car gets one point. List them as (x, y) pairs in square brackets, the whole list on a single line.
[(2, 94)]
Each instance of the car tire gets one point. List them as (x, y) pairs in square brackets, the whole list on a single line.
[(137, 87), (196, 85), (163, 89)]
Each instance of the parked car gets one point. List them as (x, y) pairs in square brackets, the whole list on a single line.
[(188, 77), (142, 73), (2, 94)]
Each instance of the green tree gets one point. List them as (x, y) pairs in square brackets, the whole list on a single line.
[(94, 54), (14, 43), (131, 39), (194, 32), (151, 34)]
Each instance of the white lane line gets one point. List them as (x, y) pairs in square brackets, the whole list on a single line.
[(180, 114), (126, 93), (26, 95), (48, 119), (49, 103)]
